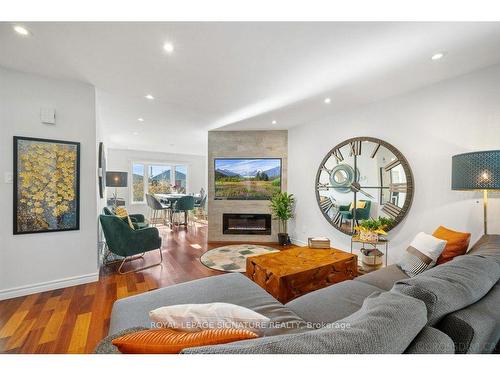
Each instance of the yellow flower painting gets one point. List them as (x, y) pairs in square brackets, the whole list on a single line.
[(46, 185)]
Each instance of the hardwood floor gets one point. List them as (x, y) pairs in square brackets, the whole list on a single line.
[(75, 319)]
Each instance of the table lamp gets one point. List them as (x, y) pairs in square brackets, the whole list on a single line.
[(116, 180), (477, 171)]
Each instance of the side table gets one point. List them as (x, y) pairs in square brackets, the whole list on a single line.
[(381, 243)]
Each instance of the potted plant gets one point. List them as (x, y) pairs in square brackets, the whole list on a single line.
[(369, 230), (282, 206)]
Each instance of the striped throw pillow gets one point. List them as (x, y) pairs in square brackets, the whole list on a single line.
[(422, 254), (169, 341)]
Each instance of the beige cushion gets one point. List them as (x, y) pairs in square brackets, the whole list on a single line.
[(218, 315)]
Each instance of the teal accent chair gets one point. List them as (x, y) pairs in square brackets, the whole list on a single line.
[(138, 220), (184, 204), (361, 213), (128, 243)]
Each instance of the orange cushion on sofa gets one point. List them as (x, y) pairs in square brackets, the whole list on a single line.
[(458, 243), (169, 341)]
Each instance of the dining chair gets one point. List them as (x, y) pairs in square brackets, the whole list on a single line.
[(200, 207), (184, 204), (157, 209)]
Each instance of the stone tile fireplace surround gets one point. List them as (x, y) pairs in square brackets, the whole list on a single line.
[(243, 144)]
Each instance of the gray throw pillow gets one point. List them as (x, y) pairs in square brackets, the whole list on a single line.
[(431, 341), (451, 286), (386, 323)]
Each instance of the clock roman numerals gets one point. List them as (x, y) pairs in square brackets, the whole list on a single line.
[(326, 204), (392, 164), (338, 155), (375, 149), (355, 148), (391, 209), (323, 186)]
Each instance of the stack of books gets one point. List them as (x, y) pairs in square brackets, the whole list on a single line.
[(319, 243)]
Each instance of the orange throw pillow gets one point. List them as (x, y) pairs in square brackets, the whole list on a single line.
[(458, 243), (169, 341)]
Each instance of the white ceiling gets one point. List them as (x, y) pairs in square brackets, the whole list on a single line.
[(241, 75)]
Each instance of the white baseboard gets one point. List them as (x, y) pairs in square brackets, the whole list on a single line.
[(49, 285)]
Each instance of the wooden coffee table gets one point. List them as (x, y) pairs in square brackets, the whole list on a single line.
[(295, 272)]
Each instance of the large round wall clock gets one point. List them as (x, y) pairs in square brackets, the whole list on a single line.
[(363, 178)]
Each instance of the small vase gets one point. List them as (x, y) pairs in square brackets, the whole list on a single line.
[(368, 236), (283, 239)]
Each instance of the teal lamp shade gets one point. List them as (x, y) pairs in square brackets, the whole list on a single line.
[(476, 171)]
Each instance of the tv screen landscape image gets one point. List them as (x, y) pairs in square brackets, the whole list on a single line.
[(247, 179)]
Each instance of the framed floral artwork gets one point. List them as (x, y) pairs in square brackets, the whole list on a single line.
[(46, 185)]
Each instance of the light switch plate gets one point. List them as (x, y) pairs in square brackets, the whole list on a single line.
[(48, 116), (9, 177)]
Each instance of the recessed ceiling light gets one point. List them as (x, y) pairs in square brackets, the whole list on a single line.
[(140, 119), (149, 96), (327, 100), (135, 133), (21, 30), (168, 47), (437, 56), (274, 122)]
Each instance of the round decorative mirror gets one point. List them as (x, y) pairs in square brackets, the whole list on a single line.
[(363, 178)]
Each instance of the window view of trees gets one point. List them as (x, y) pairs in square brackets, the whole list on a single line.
[(180, 178), (160, 180), (138, 182)]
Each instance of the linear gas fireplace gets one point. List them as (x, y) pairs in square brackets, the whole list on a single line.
[(246, 224)]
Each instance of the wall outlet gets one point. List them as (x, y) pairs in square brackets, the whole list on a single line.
[(9, 177)]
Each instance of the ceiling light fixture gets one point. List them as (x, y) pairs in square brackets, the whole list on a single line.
[(168, 47), (149, 96), (437, 56), (327, 100), (140, 119), (136, 133), (21, 30), (274, 122)]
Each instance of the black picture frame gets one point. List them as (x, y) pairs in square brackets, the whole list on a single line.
[(76, 226), (101, 170)]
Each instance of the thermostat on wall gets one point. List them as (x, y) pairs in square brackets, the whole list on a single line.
[(48, 116)]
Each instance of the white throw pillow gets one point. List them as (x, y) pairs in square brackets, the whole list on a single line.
[(422, 254), (197, 317)]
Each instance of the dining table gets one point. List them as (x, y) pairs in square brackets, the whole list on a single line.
[(174, 197)]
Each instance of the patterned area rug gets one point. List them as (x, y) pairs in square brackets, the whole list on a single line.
[(232, 258)]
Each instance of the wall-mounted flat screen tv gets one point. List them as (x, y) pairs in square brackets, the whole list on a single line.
[(247, 179)]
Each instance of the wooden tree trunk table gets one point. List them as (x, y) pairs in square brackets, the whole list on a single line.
[(295, 272)]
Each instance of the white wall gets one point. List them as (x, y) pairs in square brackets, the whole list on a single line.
[(34, 262), (121, 160), (428, 126)]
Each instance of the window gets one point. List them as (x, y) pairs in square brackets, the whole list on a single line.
[(159, 180), (138, 183), (155, 178), (180, 178)]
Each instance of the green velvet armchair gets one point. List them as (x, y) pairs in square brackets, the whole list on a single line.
[(126, 242), (138, 220), (361, 213)]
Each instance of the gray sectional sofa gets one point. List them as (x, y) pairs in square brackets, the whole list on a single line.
[(451, 308)]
